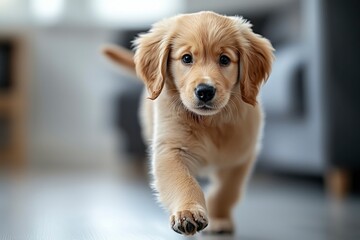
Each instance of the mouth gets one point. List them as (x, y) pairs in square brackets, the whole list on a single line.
[(205, 106), (205, 109)]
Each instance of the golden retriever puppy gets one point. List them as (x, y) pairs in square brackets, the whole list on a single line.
[(202, 72)]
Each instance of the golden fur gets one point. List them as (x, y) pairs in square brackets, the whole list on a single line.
[(185, 139)]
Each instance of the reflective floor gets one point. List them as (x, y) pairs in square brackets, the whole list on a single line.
[(118, 204)]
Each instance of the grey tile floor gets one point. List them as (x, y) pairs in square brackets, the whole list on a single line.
[(119, 205)]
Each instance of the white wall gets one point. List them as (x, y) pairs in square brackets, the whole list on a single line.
[(72, 89)]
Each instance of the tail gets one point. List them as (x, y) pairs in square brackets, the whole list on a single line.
[(121, 56)]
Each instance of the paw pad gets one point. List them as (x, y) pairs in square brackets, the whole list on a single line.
[(188, 222)]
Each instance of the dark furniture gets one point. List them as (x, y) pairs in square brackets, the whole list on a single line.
[(12, 100), (342, 97)]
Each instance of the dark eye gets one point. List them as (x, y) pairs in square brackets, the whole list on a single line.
[(187, 59), (224, 60)]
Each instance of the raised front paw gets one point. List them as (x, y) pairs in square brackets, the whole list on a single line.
[(188, 222)]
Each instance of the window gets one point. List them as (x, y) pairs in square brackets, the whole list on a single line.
[(47, 11), (134, 12)]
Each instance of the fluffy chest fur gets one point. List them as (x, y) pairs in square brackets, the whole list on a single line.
[(204, 141)]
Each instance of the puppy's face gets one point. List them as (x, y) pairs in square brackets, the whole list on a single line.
[(204, 62), (204, 53)]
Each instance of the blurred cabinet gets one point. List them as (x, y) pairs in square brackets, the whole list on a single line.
[(13, 77), (342, 92)]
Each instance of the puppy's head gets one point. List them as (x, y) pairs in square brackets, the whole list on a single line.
[(208, 58)]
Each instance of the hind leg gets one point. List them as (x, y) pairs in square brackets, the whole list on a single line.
[(227, 187)]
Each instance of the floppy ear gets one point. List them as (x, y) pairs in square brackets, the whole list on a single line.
[(256, 57), (151, 56)]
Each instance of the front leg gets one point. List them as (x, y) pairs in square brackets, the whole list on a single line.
[(179, 191)]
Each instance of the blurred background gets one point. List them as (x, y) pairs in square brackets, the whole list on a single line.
[(73, 165)]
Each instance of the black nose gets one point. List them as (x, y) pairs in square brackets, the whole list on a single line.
[(205, 92)]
